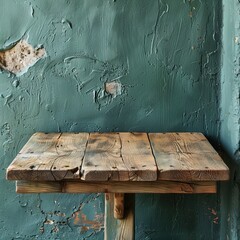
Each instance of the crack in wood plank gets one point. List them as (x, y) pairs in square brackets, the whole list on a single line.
[(81, 172)]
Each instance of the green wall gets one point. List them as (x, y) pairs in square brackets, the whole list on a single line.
[(230, 117), (166, 56)]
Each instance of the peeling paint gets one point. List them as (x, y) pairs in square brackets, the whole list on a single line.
[(19, 58), (113, 88), (86, 224)]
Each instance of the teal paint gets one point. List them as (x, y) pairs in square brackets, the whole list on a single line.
[(230, 84), (230, 118), (166, 56)]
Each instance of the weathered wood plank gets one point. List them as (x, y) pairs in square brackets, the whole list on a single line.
[(103, 160), (29, 159), (119, 157), (116, 187), (187, 157), (49, 157), (183, 157), (70, 149), (137, 156), (116, 229), (38, 187), (186, 142)]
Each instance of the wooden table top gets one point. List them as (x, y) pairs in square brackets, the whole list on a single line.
[(118, 157)]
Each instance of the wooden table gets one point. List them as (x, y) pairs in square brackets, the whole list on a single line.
[(119, 165)]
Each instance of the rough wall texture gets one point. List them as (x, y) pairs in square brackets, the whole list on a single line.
[(124, 65), (230, 117)]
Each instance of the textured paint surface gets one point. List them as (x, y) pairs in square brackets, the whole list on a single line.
[(165, 57), (230, 117)]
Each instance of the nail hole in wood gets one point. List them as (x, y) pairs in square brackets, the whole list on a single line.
[(32, 167)]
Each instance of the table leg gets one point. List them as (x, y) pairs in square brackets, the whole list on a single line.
[(119, 229)]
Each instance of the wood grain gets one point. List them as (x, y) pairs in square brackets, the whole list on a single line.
[(102, 160), (116, 187), (38, 187), (186, 142), (137, 157), (187, 157), (49, 157), (118, 157)]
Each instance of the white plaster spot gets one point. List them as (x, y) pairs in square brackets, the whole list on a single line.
[(236, 39), (20, 57), (113, 88)]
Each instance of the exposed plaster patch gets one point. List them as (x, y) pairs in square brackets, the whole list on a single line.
[(20, 57), (104, 95), (113, 88)]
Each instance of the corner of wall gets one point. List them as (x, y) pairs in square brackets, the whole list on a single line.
[(230, 117)]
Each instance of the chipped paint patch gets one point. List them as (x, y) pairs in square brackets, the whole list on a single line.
[(20, 57), (113, 88), (214, 215), (86, 224)]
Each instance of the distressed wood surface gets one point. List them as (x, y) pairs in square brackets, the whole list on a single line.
[(184, 157), (137, 156), (116, 187), (187, 157), (102, 160), (116, 229), (119, 157), (49, 157)]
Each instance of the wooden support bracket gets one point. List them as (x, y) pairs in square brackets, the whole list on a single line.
[(119, 229), (119, 205)]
